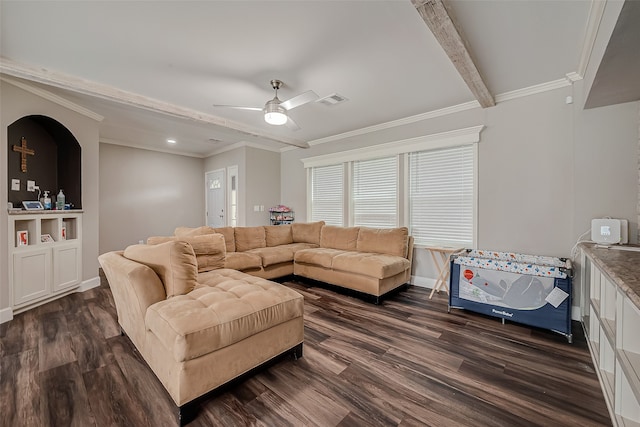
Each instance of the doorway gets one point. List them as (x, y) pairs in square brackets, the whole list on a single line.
[(215, 196)]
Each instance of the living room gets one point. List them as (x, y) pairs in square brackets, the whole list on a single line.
[(546, 165)]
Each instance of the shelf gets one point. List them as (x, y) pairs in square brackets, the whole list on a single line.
[(613, 321), (40, 271), (277, 217), (627, 408)]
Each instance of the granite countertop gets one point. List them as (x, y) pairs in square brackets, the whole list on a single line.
[(43, 212), (622, 267)]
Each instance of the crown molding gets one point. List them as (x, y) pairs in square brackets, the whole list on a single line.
[(574, 77), (147, 148), (451, 138), (596, 11), (532, 90), (110, 93), (400, 122), (506, 96), (244, 144), (53, 98)]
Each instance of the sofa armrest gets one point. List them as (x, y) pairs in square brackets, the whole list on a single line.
[(410, 250), (134, 287)]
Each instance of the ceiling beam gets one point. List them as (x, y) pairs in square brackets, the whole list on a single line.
[(109, 93), (435, 15)]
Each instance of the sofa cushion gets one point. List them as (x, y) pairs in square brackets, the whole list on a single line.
[(308, 232), (273, 255), (339, 237), (299, 246), (278, 235), (249, 238), (220, 313), (229, 237), (375, 265), (322, 257), (193, 231), (243, 261), (391, 241), (210, 249), (156, 240), (174, 262)]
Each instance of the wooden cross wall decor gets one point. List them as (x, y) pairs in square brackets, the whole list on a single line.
[(23, 150)]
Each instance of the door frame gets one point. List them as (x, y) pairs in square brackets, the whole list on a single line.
[(223, 172)]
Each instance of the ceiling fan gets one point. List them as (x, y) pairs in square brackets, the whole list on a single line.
[(275, 110)]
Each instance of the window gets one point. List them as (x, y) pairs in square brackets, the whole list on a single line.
[(375, 192), (327, 194), (441, 196), (427, 184)]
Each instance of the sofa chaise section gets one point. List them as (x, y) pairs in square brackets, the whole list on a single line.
[(199, 330)]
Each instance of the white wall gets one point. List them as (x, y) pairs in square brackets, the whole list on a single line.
[(145, 193), (263, 184), (16, 103), (236, 157), (540, 160), (258, 181)]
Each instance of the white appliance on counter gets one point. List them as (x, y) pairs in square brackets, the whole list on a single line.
[(610, 231)]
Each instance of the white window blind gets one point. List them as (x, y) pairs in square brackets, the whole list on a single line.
[(441, 196), (327, 194), (375, 192)]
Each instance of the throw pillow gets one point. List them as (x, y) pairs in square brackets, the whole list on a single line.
[(174, 262)]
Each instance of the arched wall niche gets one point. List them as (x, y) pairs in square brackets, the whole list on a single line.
[(55, 165)]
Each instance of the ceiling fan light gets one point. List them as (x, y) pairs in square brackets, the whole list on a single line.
[(274, 114), (275, 118)]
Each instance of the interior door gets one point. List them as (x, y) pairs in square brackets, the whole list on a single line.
[(215, 198)]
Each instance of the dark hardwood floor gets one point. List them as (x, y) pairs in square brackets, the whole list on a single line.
[(406, 362)]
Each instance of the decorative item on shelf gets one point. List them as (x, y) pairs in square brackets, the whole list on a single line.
[(281, 214), (63, 232), (47, 201), (22, 237), (23, 150), (46, 238), (32, 205), (60, 201)]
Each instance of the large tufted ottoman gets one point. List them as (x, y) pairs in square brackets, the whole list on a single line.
[(229, 324)]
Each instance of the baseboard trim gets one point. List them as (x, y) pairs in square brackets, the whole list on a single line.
[(6, 314), (575, 313), (94, 282), (423, 282)]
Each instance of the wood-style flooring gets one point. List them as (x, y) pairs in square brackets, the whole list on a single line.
[(406, 362)]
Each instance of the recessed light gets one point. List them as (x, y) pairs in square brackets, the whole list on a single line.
[(171, 141)]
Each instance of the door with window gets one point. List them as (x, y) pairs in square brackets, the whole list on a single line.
[(215, 194)]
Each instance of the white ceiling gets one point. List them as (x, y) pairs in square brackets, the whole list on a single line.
[(186, 56)]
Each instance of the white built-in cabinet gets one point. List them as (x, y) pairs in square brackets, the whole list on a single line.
[(611, 319), (46, 261)]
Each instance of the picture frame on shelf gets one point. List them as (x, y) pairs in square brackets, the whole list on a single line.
[(46, 238), (32, 205), (22, 237), (63, 232)]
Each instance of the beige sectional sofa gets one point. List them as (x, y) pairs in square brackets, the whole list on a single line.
[(367, 260), (199, 308), (199, 325)]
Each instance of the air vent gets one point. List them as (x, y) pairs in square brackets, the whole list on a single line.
[(332, 99)]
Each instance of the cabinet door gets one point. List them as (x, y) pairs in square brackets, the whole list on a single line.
[(66, 267), (31, 275)]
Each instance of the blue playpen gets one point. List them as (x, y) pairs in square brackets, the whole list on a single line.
[(528, 289)]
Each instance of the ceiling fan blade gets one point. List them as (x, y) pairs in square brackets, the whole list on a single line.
[(299, 100), (237, 107), (291, 124)]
